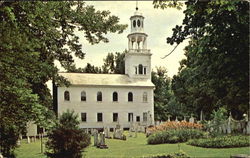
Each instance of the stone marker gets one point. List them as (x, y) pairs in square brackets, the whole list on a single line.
[(95, 133), (28, 139), (191, 120), (102, 144)]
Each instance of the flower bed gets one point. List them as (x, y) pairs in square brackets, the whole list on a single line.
[(221, 142), (173, 125)]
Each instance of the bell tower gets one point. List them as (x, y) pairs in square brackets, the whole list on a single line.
[(138, 57)]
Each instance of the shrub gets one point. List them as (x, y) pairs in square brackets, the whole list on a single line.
[(175, 136), (179, 154), (174, 125), (221, 142), (66, 139)]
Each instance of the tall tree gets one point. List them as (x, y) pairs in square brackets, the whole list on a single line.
[(114, 63), (215, 73), (30, 43), (161, 92)]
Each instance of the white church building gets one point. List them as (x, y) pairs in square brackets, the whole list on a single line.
[(104, 100)]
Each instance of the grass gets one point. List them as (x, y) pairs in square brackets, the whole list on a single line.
[(135, 147)]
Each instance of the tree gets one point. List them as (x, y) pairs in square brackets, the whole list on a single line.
[(215, 73), (161, 93), (114, 63), (66, 139), (30, 43)]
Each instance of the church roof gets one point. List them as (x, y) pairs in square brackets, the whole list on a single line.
[(105, 80)]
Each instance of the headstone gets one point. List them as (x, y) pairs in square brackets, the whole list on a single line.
[(95, 133), (176, 120), (28, 139), (107, 135), (1, 156), (102, 144), (229, 129), (201, 116), (136, 130), (169, 119), (191, 120), (18, 142), (248, 128), (224, 129)]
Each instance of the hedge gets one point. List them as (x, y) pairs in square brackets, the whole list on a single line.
[(175, 136), (221, 142)]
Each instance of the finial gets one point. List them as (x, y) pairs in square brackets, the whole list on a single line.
[(136, 5)]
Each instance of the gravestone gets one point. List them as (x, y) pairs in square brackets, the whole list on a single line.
[(106, 131), (248, 127), (229, 129), (28, 139), (191, 120), (95, 133), (136, 129), (102, 144), (176, 120)]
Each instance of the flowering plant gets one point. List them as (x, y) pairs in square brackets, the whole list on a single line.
[(174, 125)]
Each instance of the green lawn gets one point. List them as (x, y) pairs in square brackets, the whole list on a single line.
[(134, 147)]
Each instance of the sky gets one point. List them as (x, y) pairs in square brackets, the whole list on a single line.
[(158, 25)]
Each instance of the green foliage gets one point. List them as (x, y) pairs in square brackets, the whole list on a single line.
[(164, 4), (114, 63), (66, 139), (30, 43), (215, 71), (8, 139), (221, 142), (175, 136), (179, 154), (218, 118), (161, 93)]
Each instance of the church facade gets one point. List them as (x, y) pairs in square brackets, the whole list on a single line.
[(104, 100)]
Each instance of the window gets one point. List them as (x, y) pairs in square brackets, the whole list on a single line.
[(115, 117), (99, 96), (145, 114), (137, 118), (135, 70), (134, 23), (83, 96), (99, 117), (130, 117), (66, 96), (84, 117), (145, 70), (130, 96), (145, 97), (115, 96), (140, 69), (138, 23)]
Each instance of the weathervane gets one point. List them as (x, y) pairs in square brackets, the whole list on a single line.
[(136, 5)]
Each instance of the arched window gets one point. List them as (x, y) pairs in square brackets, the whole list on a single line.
[(130, 96), (145, 97), (145, 71), (138, 23), (99, 96), (66, 96), (115, 96), (83, 96), (134, 23), (140, 69)]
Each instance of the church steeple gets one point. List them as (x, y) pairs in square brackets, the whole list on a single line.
[(137, 39), (138, 57)]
